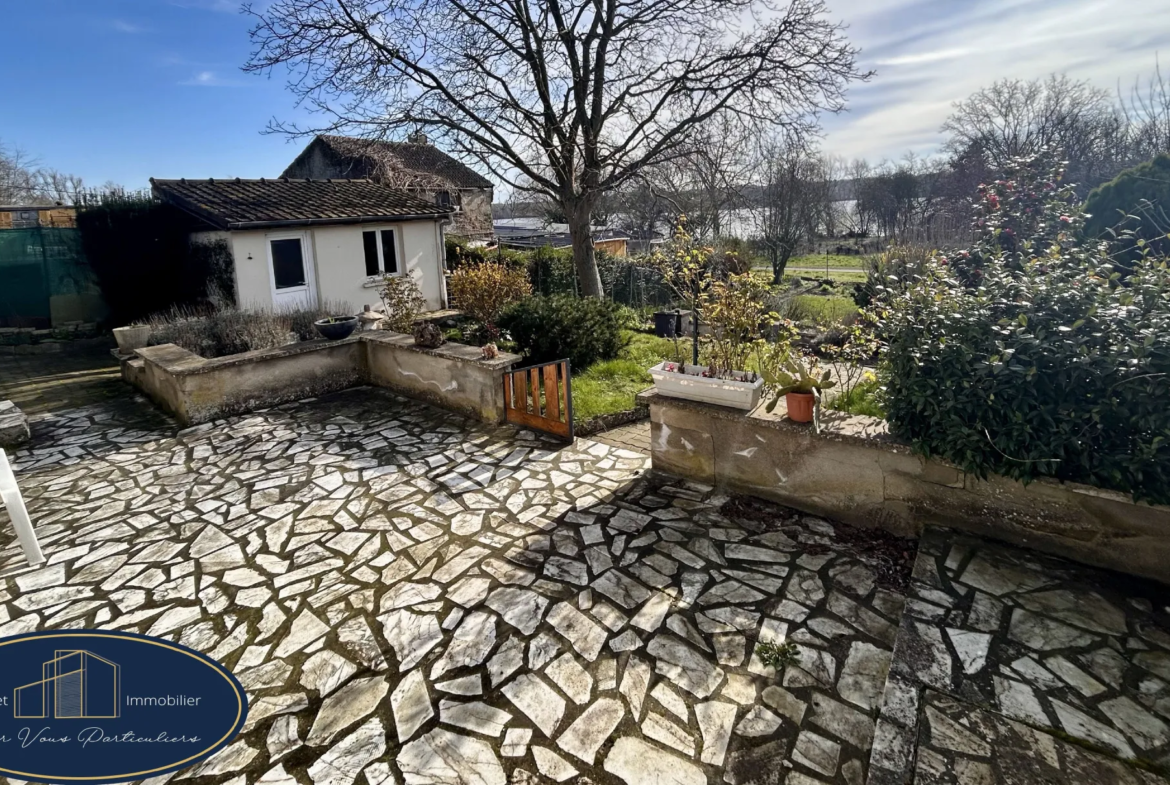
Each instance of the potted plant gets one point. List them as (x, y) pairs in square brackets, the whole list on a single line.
[(737, 389), (734, 309), (131, 337), (336, 327), (800, 383)]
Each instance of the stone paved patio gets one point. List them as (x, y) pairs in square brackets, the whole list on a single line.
[(59, 381), (412, 597), (418, 598)]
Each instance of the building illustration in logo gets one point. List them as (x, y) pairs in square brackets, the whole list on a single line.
[(75, 684)]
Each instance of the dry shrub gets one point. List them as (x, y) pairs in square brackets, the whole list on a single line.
[(483, 291)]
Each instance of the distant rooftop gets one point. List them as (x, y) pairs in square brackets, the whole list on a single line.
[(245, 204)]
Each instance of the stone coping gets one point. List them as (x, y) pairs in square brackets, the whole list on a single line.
[(180, 362), (836, 426), (860, 429)]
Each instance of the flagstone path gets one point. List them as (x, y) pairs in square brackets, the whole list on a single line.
[(412, 597)]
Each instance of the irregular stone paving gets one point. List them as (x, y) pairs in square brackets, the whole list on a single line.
[(1076, 652), (411, 597)]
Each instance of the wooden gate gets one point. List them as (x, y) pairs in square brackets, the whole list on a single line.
[(541, 397)]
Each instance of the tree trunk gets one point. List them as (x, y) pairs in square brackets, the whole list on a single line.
[(779, 262), (584, 260)]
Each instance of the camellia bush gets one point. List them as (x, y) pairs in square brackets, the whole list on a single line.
[(1030, 354)]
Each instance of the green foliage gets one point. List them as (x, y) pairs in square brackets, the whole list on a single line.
[(402, 302), (864, 397), (584, 330), (484, 290), (735, 309), (785, 372), (821, 311), (609, 386), (143, 262), (1032, 357), (1134, 207), (1026, 215), (895, 268), (778, 655)]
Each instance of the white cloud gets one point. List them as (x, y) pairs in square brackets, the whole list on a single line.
[(129, 28), (930, 54), (209, 79)]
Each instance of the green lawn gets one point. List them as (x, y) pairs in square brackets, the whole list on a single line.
[(823, 311), (609, 386), (832, 260)]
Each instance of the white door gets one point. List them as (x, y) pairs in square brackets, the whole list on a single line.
[(290, 270)]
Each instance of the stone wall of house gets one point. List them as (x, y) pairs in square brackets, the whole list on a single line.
[(856, 472), (474, 219)]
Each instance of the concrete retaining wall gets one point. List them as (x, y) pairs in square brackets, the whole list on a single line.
[(856, 472), (195, 390)]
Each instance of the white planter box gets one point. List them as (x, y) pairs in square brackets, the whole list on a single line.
[(693, 386), (131, 338)]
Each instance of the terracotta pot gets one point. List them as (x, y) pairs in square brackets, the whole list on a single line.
[(800, 406)]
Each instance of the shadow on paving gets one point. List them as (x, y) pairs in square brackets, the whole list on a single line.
[(59, 381), (1026, 642), (410, 596)]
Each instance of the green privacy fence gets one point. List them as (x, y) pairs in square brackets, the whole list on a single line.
[(45, 280)]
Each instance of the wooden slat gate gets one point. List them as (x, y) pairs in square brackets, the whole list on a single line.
[(541, 397)]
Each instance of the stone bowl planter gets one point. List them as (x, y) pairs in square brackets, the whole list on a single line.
[(133, 337), (737, 392), (336, 327)]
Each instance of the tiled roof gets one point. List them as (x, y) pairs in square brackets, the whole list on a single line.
[(240, 204), (364, 157)]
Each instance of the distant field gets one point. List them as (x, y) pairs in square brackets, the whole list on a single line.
[(835, 273), (819, 261)]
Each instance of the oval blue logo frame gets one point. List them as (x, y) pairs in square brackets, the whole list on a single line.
[(99, 706)]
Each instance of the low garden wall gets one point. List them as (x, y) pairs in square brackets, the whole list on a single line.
[(856, 472), (195, 389)]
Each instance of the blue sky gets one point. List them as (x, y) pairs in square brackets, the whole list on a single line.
[(128, 89)]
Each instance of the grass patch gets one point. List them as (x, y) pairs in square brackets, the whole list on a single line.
[(609, 386), (862, 399), (821, 311), (821, 261)]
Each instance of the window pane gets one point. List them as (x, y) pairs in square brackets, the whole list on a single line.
[(389, 254), (370, 243), (288, 263)]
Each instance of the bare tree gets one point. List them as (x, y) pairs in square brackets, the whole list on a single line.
[(575, 96), (1147, 113), (18, 179), (794, 188), (59, 186), (1016, 117)]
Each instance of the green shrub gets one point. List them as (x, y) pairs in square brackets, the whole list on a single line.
[(584, 330), (894, 269), (1036, 360), (1136, 206)]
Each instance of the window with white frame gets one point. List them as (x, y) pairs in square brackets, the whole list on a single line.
[(381, 252)]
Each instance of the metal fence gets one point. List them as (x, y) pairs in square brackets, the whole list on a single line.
[(45, 280)]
